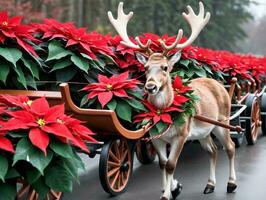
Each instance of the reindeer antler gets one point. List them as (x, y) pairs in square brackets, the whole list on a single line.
[(120, 24), (196, 22)]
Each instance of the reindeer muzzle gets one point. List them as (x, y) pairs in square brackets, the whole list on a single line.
[(151, 88)]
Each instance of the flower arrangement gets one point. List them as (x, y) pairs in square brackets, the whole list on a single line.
[(36, 143)]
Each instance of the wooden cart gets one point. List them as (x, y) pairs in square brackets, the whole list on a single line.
[(116, 147)]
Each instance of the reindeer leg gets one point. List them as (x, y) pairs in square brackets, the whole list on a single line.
[(224, 137), (209, 145), (176, 148), (160, 147)]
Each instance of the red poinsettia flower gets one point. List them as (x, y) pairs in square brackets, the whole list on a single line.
[(109, 87), (179, 90), (12, 28), (5, 143), (155, 115), (40, 120), (80, 133), (18, 101)]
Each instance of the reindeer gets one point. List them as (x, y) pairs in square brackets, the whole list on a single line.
[(214, 103)]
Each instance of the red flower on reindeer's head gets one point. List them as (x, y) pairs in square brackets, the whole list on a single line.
[(109, 87), (179, 90), (155, 115)]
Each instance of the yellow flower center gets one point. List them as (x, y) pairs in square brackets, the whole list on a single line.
[(177, 91), (159, 112), (28, 103), (4, 23), (109, 87), (41, 122), (60, 121)]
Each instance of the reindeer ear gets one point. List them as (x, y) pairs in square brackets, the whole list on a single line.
[(175, 58), (141, 58)]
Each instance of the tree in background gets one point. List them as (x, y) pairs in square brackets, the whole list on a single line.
[(157, 16)]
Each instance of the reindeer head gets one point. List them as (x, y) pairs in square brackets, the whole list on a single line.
[(158, 66)]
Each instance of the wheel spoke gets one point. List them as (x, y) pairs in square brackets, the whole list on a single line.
[(113, 164), (124, 156), (114, 180), (23, 190), (117, 153), (112, 171), (113, 156)]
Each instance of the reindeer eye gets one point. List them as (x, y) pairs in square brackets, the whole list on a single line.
[(165, 68)]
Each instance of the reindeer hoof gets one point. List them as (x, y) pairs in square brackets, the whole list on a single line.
[(209, 189), (231, 187), (177, 190)]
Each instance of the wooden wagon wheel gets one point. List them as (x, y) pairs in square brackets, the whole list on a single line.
[(26, 192), (145, 152), (263, 115), (252, 124), (115, 166)]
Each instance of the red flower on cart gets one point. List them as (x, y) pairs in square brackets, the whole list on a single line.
[(12, 28), (109, 87), (42, 121)]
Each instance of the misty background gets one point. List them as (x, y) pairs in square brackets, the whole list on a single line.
[(235, 25)]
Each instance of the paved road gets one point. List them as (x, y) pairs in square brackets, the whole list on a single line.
[(192, 171)]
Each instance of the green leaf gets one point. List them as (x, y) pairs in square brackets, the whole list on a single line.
[(17, 134), (65, 75), (124, 111), (12, 173), (21, 77), (160, 126), (26, 151), (61, 64), (58, 179), (136, 104), (11, 54), (41, 188), (70, 167), (7, 191), (32, 175), (56, 51), (112, 104), (86, 56), (5, 69), (84, 100), (100, 62), (136, 94), (153, 131), (31, 82), (32, 66), (184, 62), (62, 149), (4, 167), (81, 63)]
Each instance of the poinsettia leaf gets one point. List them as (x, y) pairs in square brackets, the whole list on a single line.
[(32, 175), (7, 191), (21, 77), (84, 100), (61, 64), (153, 131), (81, 63), (12, 173), (86, 56), (5, 69), (41, 188), (70, 166), (26, 151), (160, 126), (58, 178), (184, 62), (136, 94), (18, 134), (62, 149), (11, 54), (100, 62), (65, 75), (136, 104), (32, 67), (56, 51), (112, 104), (4, 167), (124, 111), (31, 82)]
